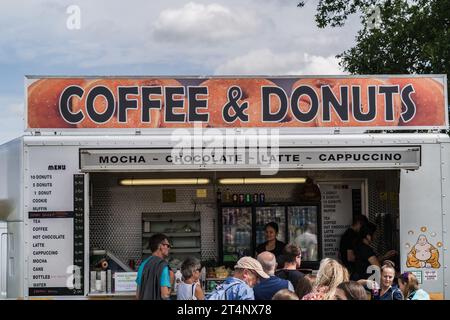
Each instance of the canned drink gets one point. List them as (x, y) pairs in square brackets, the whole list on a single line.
[(375, 289)]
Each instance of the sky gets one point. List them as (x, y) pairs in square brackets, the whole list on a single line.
[(170, 37)]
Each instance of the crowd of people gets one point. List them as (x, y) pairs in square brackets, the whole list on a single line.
[(274, 273)]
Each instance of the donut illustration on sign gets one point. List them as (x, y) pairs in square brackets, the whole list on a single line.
[(372, 109), (134, 116), (428, 97), (250, 99), (43, 103)]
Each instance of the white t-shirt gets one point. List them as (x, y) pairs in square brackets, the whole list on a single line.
[(186, 291)]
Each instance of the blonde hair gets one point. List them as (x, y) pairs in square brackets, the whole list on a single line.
[(331, 274)]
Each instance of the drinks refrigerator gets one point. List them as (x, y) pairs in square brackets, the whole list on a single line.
[(241, 229), (236, 233), (304, 230), (266, 214)]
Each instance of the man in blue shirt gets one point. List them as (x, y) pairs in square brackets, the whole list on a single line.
[(247, 273), (154, 279), (267, 288)]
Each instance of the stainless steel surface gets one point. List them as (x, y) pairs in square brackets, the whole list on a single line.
[(12, 162)]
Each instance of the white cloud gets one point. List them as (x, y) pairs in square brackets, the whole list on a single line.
[(172, 36), (266, 62), (318, 65), (198, 22)]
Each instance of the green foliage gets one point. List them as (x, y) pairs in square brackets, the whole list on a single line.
[(410, 36)]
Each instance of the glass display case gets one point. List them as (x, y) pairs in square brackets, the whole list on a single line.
[(268, 214), (237, 233), (302, 221), (242, 229)]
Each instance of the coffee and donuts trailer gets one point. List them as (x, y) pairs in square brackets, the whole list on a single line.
[(373, 144)]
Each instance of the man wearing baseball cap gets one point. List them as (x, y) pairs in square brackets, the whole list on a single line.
[(247, 273)]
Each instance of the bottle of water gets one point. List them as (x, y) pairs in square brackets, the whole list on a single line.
[(178, 279), (203, 277)]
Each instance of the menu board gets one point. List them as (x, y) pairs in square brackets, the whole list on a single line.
[(56, 223), (125, 281), (340, 201), (51, 252), (78, 233), (57, 248)]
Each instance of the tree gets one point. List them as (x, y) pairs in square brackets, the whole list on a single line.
[(397, 36)]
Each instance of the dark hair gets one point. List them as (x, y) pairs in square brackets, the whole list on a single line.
[(353, 290), (368, 229), (361, 219), (155, 240), (272, 225), (304, 286), (290, 253), (189, 266), (285, 294)]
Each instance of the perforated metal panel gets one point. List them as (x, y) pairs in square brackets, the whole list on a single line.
[(115, 214)]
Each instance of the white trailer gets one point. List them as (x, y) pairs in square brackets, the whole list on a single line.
[(42, 173), (61, 197)]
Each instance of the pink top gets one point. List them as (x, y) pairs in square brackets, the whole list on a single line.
[(316, 294)]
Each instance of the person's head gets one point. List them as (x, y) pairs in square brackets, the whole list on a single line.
[(292, 255), (159, 245), (350, 290), (285, 294), (304, 286), (191, 268), (359, 220), (311, 228), (422, 240), (331, 273), (387, 274), (249, 270), (268, 262), (271, 231), (367, 232), (408, 283)]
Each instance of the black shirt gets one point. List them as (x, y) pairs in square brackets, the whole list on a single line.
[(363, 252), (348, 242), (292, 275), (279, 246)]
